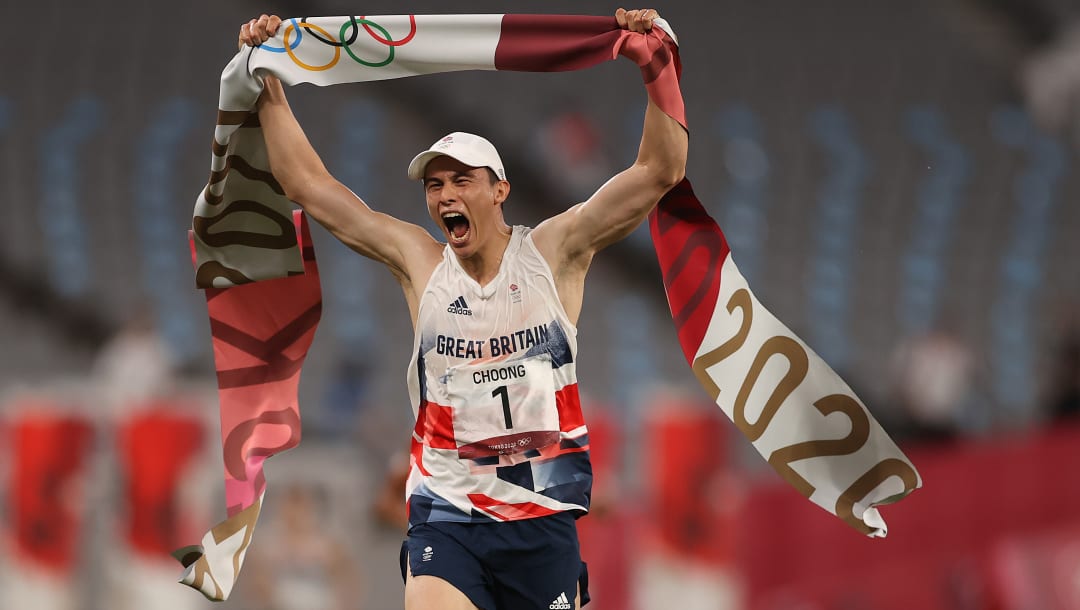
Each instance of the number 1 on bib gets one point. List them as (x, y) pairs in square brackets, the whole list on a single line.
[(501, 391)]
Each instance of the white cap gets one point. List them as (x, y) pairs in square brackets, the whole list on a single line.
[(465, 147)]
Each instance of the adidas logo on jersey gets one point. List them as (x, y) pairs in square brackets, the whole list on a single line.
[(459, 307), (561, 603)]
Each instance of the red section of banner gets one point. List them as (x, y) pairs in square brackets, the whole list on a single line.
[(999, 527), (261, 334), (691, 249), (48, 461), (156, 447), (556, 43)]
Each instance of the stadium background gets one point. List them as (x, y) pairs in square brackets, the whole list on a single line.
[(897, 184)]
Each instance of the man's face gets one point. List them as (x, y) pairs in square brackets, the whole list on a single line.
[(464, 202)]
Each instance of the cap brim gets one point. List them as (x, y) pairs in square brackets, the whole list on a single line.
[(419, 163)]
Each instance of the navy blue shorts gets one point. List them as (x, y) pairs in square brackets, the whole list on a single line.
[(514, 565)]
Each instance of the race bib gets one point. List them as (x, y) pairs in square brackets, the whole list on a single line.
[(503, 408)]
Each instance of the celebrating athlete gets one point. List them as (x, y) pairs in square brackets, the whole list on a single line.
[(500, 464)]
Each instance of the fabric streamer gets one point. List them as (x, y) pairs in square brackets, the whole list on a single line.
[(255, 261), (261, 334)]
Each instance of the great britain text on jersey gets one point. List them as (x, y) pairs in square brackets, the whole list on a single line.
[(502, 345)]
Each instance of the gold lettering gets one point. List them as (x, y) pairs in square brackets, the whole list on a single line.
[(798, 364), (741, 300), (877, 475), (860, 431)]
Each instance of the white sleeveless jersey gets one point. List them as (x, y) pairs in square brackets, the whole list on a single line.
[(499, 433)]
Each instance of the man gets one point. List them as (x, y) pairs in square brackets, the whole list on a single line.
[(499, 467)]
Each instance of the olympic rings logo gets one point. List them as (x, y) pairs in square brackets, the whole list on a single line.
[(346, 36)]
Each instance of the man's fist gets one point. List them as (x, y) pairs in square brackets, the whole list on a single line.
[(258, 31), (637, 20)]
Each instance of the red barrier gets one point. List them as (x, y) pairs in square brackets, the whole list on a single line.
[(944, 544), (604, 543), (686, 470), (1038, 571), (48, 460), (156, 446)]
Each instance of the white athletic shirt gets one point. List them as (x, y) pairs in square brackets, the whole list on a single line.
[(499, 433)]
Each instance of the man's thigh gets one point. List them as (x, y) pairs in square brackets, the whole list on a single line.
[(536, 565), (532, 564), (440, 571), (424, 592)]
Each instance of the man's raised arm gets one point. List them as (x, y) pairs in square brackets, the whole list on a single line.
[(621, 204), (306, 181)]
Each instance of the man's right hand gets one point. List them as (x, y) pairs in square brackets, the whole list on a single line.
[(258, 31), (637, 20)]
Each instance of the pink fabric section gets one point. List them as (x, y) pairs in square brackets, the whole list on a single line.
[(556, 43), (261, 335)]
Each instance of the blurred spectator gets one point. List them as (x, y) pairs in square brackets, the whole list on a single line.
[(135, 365), (346, 397), (571, 146), (1050, 79), (390, 509), (300, 563), (932, 383), (1064, 393)]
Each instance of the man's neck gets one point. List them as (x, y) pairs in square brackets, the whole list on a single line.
[(484, 265)]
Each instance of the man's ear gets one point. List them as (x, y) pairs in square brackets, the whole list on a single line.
[(502, 191)]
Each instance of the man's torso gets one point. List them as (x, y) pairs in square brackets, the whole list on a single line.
[(499, 433)]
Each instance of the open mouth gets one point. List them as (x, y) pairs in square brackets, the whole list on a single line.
[(457, 227)]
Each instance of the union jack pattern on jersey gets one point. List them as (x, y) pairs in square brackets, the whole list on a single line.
[(499, 433)]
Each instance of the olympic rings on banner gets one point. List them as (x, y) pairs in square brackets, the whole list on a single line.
[(389, 58), (387, 41), (334, 43), (320, 34), (299, 37), (337, 51)]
